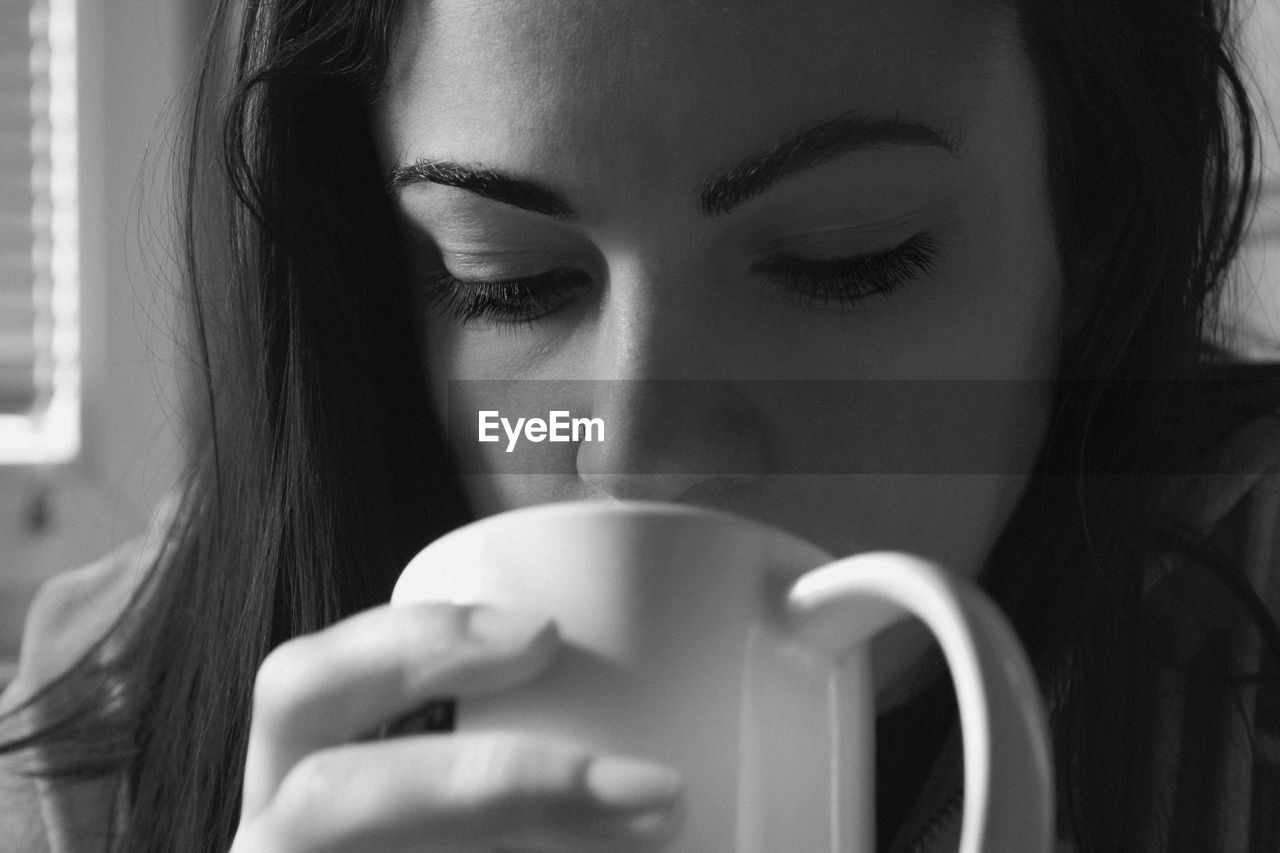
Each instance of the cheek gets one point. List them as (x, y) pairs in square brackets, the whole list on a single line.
[(933, 467), (953, 519)]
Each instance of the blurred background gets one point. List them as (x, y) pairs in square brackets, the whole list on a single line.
[(90, 422), (91, 369)]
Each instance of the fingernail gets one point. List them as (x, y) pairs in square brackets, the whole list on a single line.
[(629, 783), (507, 629)]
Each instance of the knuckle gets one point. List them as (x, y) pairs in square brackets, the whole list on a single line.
[(310, 791), (284, 679)]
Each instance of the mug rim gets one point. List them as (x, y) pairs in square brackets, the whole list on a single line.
[(587, 507), (781, 540)]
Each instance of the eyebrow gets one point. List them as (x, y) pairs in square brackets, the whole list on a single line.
[(805, 149), (484, 182), (814, 146)]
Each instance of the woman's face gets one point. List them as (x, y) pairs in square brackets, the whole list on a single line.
[(706, 206)]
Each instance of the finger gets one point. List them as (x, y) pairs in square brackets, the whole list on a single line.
[(330, 687), (471, 792)]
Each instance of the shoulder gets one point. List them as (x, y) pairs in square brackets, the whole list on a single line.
[(74, 611), (1217, 746), (71, 615), (1225, 507), (1237, 465)]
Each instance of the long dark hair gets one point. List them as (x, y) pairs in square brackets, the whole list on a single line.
[(318, 469), (1152, 164)]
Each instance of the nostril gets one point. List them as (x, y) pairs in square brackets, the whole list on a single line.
[(666, 438)]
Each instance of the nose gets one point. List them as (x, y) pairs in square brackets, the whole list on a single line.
[(679, 422), (671, 438)]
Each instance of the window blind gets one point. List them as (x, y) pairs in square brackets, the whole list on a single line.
[(39, 372)]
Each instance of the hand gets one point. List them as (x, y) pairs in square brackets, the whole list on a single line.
[(315, 782)]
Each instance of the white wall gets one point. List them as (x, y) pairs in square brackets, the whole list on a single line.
[(131, 387), (1257, 294)]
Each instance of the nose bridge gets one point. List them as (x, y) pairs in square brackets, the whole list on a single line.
[(675, 419), (652, 314)]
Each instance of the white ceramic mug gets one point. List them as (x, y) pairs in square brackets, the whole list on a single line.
[(737, 653)]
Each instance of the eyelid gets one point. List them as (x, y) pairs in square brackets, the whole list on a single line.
[(480, 254), (496, 236), (850, 280), (842, 241), (501, 264), (834, 224), (505, 303)]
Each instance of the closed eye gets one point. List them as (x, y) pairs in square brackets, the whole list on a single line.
[(511, 301), (825, 282), (846, 282)]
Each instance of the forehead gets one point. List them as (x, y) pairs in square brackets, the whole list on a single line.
[(580, 86)]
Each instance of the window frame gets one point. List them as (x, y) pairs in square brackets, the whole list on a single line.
[(51, 432)]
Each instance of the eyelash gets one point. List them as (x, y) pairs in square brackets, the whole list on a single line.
[(510, 301), (840, 281), (847, 282)]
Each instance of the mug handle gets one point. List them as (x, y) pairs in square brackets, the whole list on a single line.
[(1008, 777)]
